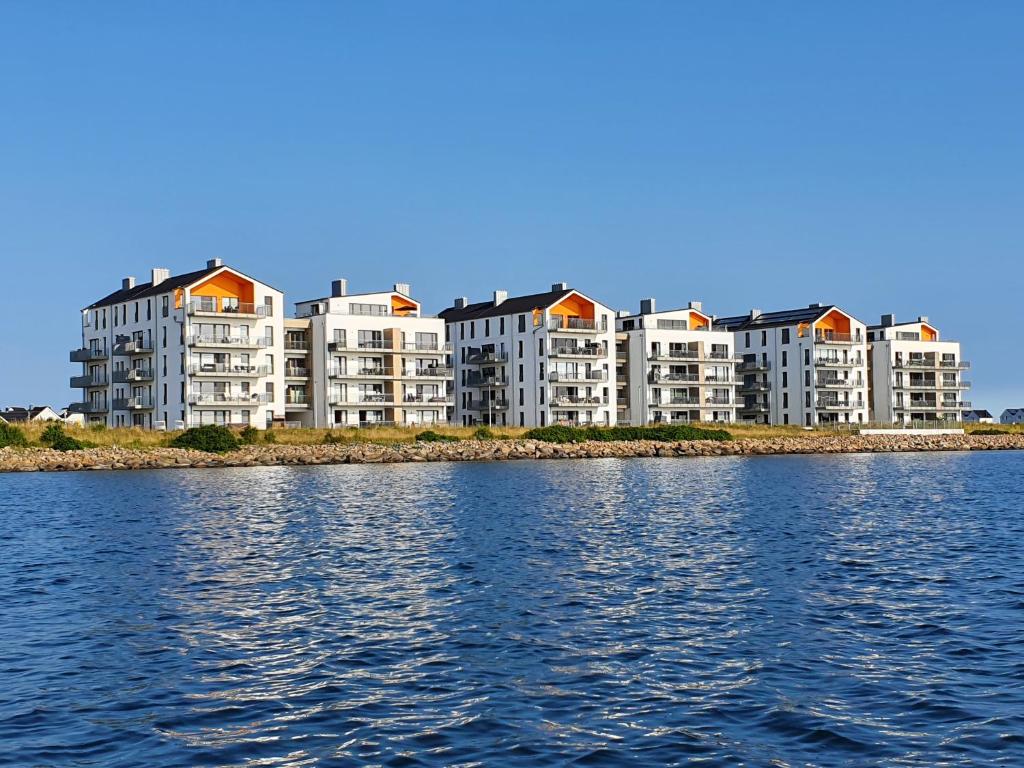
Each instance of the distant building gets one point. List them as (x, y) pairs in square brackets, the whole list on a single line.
[(1012, 416), (69, 416), (977, 417), (18, 415)]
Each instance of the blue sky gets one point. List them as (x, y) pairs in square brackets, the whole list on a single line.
[(745, 154)]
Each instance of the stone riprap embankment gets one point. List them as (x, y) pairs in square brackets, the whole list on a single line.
[(43, 459)]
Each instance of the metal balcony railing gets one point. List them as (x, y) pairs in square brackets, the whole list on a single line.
[(127, 375), (227, 398), (89, 380), (87, 355), (227, 369), (217, 340), (578, 376), (201, 305)]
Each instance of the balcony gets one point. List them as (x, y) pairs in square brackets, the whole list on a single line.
[(578, 324), (487, 382), (754, 386), (429, 372), (426, 348), (679, 402), (712, 379), (369, 372), (208, 307), (428, 400), (828, 404), (226, 369), (836, 362), (134, 347), (574, 401), (227, 398), (932, 362), (129, 375), (751, 366), (832, 337), (834, 382), (296, 401), (89, 380), (753, 407), (589, 351), (137, 403), (578, 376), (87, 355), (89, 408), (294, 372), (362, 398), (237, 342), (341, 345), (487, 358), (296, 346), (675, 354), (657, 377), (488, 405), (715, 400), (932, 405)]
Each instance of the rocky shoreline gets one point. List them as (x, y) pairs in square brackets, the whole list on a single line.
[(46, 460)]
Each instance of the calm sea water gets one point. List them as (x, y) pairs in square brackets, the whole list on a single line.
[(786, 611)]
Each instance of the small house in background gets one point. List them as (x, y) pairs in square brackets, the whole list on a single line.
[(18, 415), (74, 418), (1012, 416), (977, 417)]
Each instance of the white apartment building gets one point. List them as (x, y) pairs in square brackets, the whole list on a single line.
[(369, 359), (915, 377), (198, 348), (803, 366), (545, 358), (674, 368)]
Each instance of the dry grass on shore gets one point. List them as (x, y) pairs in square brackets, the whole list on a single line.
[(142, 438)]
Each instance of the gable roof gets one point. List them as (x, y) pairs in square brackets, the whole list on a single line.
[(142, 290), (775, 319), (510, 306), (981, 414), (1013, 411)]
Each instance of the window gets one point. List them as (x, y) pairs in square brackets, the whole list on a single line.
[(807, 357), (472, 329), (487, 327), (268, 334), (746, 339), (520, 375), (540, 347), (268, 306), (785, 336), (807, 378), (164, 402), (165, 307), (785, 357), (501, 326), (149, 309), (522, 419), (270, 363), (807, 399), (522, 323), (520, 348), (785, 418), (164, 369), (136, 311), (542, 418), (163, 339), (785, 379), (542, 372), (462, 331), (764, 338), (785, 399), (522, 396)]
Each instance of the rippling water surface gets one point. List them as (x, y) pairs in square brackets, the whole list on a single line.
[(787, 611)]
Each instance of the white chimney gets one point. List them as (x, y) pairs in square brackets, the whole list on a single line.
[(403, 288), (214, 263), (339, 288), (499, 297), (128, 282), (159, 274), (699, 306), (922, 319), (461, 302), (559, 286), (755, 313)]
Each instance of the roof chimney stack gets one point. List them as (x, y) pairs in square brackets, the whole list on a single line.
[(699, 306), (461, 302), (815, 305), (922, 319), (403, 288), (158, 275), (339, 288), (755, 313), (128, 282), (214, 263), (559, 287), (647, 306), (888, 320), (500, 296)]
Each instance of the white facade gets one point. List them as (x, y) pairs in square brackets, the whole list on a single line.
[(915, 377), (181, 351), (533, 360), (804, 367), (673, 368), (370, 359)]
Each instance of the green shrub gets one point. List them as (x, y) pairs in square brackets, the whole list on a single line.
[(99, 426), (269, 436), (667, 433), (483, 433), (249, 435), (59, 440), (990, 431), (12, 436), (430, 436), (332, 438), (212, 438)]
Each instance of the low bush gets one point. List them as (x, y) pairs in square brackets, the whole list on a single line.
[(430, 436), (269, 436), (249, 435), (332, 438), (56, 438), (667, 433), (990, 431), (483, 433), (11, 436), (212, 438), (99, 426)]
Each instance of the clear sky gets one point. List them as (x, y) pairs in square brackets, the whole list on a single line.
[(747, 154)]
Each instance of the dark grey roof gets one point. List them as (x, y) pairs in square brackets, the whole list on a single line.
[(774, 319), (510, 306), (142, 290), (980, 414), (17, 413)]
